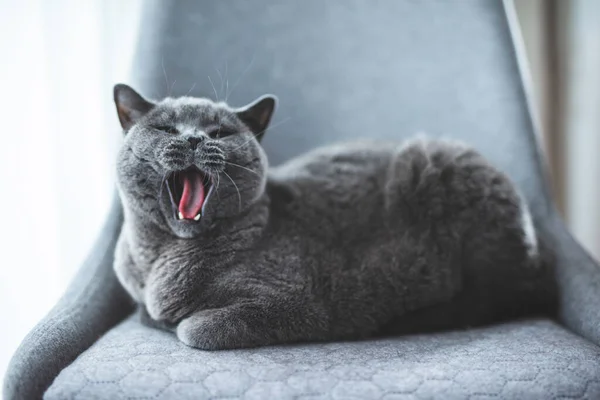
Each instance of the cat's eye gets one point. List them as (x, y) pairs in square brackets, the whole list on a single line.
[(221, 133), (168, 129)]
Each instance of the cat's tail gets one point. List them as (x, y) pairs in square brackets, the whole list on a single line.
[(532, 292)]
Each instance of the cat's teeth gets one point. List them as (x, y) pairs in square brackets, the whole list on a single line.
[(179, 215), (197, 217)]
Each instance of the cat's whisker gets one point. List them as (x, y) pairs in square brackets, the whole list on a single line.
[(217, 187), (213, 87), (162, 184), (240, 77), (283, 121), (220, 79), (243, 144), (236, 187), (240, 166), (227, 81), (192, 88), (260, 133), (165, 74)]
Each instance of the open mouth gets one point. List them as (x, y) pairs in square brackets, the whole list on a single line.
[(188, 190)]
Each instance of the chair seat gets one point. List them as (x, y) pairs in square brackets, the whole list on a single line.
[(530, 359)]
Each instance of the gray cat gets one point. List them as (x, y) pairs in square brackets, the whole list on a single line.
[(345, 242)]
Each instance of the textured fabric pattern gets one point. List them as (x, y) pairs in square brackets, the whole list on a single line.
[(523, 360)]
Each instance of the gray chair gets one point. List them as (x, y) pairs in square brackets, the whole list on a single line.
[(343, 69)]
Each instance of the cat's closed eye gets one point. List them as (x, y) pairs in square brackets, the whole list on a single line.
[(220, 133), (168, 129)]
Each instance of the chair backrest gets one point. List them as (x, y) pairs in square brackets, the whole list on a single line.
[(372, 68), (353, 69)]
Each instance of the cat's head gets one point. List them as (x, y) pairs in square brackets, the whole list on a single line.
[(187, 162)]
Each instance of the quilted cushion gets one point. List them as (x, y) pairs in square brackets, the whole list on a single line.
[(533, 359)]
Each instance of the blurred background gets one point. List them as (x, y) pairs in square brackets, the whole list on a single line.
[(60, 60)]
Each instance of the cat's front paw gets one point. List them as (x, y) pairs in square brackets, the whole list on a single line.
[(175, 156), (217, 329)]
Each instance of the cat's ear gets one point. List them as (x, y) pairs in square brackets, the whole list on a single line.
[(130, 105), (257, 114)]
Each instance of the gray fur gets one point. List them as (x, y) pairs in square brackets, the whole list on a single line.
[(341, 243)]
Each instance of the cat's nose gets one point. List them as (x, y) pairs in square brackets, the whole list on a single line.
[(194, 141)]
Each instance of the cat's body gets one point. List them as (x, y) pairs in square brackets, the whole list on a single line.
[(337, 244)]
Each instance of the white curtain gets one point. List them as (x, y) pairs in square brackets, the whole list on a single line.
[(59, 134), (582, 120), (568, 96)]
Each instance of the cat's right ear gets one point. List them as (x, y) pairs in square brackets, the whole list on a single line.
[(130, 105)]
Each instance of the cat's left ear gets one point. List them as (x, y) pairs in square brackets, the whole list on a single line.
[(131, 106), (257, 114)]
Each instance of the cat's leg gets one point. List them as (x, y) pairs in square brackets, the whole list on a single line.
[(253, 324)]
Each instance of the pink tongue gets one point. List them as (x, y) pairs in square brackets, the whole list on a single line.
[(192, 197)]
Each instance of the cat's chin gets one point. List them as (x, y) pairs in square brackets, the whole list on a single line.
[(186, 229)]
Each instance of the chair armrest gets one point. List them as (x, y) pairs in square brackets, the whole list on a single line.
[(578, 277), (93, 303)]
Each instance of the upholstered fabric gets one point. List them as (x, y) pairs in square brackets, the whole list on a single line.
[(533, 359)]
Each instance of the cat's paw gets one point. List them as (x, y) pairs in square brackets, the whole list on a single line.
[(216, 329), (176, 155)]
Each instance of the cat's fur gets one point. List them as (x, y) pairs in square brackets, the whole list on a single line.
[(337, 244)]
